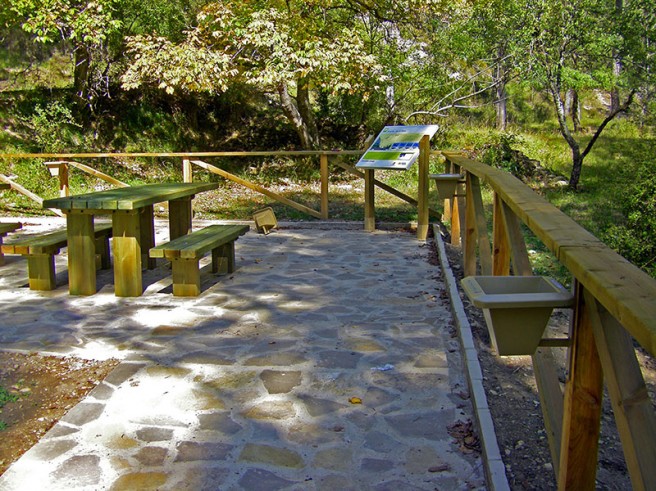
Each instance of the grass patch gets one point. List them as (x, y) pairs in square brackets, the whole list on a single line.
[(5, 398)]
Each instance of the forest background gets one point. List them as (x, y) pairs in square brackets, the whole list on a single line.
[(559, 93)]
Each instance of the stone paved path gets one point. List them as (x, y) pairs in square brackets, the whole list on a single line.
[(326, 361)]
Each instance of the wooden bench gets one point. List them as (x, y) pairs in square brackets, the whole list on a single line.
[(41, 250), (185, 252), (5, 228)]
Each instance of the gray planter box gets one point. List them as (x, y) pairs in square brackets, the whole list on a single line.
[(446, 184), (516, 308)]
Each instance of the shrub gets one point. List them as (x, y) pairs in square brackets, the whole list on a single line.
[(635, 238)]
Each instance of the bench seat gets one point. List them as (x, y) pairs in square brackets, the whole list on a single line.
[(6, 228), (186, 251), (40, 251)]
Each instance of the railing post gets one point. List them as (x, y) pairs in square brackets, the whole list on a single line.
[(582, 409), (500, 242), (469, 245), (448, 203), (422, 193), (369, 206), (187, 175), (323, 159), (632, 407), (60, 169)]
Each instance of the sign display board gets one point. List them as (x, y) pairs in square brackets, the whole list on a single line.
[(396, 147)]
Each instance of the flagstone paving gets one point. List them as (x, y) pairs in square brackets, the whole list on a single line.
[(328, 360)]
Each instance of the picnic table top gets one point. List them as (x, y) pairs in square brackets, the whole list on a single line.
[(129, 198)]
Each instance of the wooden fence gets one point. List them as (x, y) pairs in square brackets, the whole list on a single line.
[(615, 302), (64, 161)]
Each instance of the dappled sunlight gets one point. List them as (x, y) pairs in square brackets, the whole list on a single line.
[(325, 356), (154, 318)]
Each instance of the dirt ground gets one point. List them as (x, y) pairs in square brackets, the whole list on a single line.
[(515, 406), (44, 389)]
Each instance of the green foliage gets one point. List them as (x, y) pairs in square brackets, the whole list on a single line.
[(49, 20), (53, 127), (635, 237), (6, 397)]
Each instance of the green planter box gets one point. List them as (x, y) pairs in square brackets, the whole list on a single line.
[(516, 308)]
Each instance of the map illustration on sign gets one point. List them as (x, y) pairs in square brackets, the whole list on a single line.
[(396, 147)]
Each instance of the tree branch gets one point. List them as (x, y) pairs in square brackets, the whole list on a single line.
[(623, 108)]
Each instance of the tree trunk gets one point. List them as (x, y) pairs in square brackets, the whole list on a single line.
[(500, 104), (573, 108), (577, 167), (305, 109), (617, 67), (501, 107), (81, 72), (307, 131), (577, 157)]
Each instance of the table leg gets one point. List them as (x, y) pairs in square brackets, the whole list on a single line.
[(179, 217), (81, 253), (147, 223), (126, 228)]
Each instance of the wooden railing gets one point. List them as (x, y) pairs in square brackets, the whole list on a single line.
[(64, 161), (615, 302)]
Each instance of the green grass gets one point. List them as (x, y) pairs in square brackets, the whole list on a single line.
[(608, 176), (5, 398)]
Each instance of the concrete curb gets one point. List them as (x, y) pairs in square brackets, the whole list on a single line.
[(495, 470)]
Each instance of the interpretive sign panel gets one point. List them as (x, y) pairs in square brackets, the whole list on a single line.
[(396, 147)]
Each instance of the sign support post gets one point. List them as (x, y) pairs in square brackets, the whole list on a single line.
[(422, 192), (369, 207), (397, 148)]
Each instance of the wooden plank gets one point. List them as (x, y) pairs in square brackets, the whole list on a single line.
[(81, 254), (6, 227), (187, 171), (147, 231), (422, 191), (369, 201), (118, 155), (198, 243), (258, 188), (480, 223), (127, 253), (519, 254), (582, 409), (41, 272), (469, 235), (17, 187), (632, 407), (325, 176), (186, 277), (223, 258), (180, 217), (500, 242), (551, 400), (130, 198)]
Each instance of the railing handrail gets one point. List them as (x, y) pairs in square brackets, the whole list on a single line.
[(256, 153), (626, 291)]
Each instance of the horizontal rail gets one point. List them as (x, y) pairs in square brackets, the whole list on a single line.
[(278, 153)]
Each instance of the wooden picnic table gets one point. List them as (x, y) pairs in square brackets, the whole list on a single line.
[(133, 229)]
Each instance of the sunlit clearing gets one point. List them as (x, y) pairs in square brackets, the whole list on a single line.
[(154, 318), (97, 351)]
